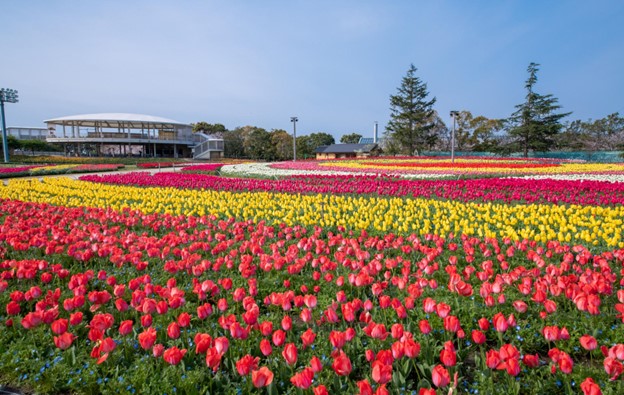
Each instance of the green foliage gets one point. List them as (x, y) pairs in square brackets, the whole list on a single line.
[(12, 142), (351, 138), (258, 144), (605, 134), (233, 141), (535, 123), (282, 143), (412, 115), (320, 139), (304, 147), (209, 128), (34, 145)]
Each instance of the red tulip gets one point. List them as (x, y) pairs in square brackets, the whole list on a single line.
[(125, 327), (589, 387), (531, 360), (246, 364), (424, 326), (75, 318), (492, 359), (290, 353), (59, 326), (451, 323), (440, 376), (174, 355), (427, 391), (221, 344), (303, 379), (342, 364), (364, 387), (478, 337), (320, 390), (411, 348), (261, 377), (147, 338), (308, 337), (173, 330), (447, 355), (442, 309), (484, 324), (279, 337), (382, 373), (588, 342), (13, 308), (500, 322), (337, 339), (184, 319), (286, 323), (64, 341), (146, 321), (265, 347), (551, 333), (213, 358), (316, 364), (397, 331), (203, 342), (158, 350)]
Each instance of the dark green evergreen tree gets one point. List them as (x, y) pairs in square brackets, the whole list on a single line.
[(535, 123), (411, 115)]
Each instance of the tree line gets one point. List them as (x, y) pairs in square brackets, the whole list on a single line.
[(253, 142), (32, 145), (536, 125)]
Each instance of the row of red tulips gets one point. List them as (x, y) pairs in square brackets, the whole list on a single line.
[(490, 189)]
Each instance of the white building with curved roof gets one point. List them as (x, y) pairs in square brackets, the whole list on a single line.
[(122, 134)]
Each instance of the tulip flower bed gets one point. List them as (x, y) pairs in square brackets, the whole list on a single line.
[(159, 165), (6, 172), (461, 166), (64, 169), (104, 301), (595, 226), (205, 168), (39, 170), (465, 190)]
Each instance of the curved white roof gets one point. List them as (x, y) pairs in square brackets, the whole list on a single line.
[(113, 118)]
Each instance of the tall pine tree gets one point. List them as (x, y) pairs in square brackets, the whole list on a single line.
[(411, 115), (535, 123)]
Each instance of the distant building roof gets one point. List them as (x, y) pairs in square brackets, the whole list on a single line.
[(114, 120), (370, 140), (345, 148)]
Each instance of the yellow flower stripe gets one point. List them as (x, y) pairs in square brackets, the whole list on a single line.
[(53, 168), (561, 169), (575, 224)]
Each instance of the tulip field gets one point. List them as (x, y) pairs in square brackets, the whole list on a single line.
[(368, 276)]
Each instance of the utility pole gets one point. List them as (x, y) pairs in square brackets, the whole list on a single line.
[(454, 115), (294, 121)]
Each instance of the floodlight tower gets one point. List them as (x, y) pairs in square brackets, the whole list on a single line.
[(294, 121), (8, 96)]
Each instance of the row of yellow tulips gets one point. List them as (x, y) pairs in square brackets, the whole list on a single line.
[(589, 225)]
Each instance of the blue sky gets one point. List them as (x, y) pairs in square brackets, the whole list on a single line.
[(331, 63)]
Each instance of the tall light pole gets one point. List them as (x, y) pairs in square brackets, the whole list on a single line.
[(454, 115), (294, 121), (9, 96)]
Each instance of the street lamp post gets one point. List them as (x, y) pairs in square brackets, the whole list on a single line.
[(454, 115), (294, 121), (8, 96)]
